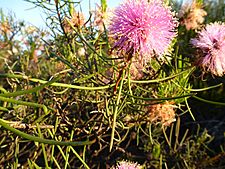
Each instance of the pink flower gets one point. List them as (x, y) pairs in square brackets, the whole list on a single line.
[(127, 165), (211, 43), (143, 27)]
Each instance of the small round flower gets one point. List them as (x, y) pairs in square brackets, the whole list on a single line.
[(211, 44), (143, 27), (127, 165)]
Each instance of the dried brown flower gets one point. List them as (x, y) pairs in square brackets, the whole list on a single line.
[(192, 15), (136, 70), (5, 27), (163, 113), (77, 20)]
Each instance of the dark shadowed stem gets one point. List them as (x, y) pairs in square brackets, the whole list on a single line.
[(60, 22), (122, 71)]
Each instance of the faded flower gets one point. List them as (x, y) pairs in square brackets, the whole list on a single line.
[(192, 15), (127, 165), (211, 45), (77, 20), (5, 27), (101, 18), (81, 52), (142, 27), (163, 113), (136, 70), (31, 29)]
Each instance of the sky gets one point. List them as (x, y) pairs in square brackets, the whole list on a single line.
[(26, 11)]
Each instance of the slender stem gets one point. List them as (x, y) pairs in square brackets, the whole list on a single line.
[(5, 99), (161, 98), (42, 140), (33, 90), (160, 80), (57, 84), (206, 88), (189, 109), (209, 101), (78, 156), (3, 109), (115, 112), (43, 148)]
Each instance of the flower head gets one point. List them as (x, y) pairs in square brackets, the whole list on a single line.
[(192, 15), (211, 44), (143, 27), (127, 165)]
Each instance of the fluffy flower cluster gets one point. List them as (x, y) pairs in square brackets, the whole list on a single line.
[(192, 15), (211, 44), (127, 165), (143, 27)]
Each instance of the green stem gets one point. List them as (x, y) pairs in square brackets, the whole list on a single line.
[(115, 112), (159, 80), (189, 109), (5, 99), (198, 90), (42, 140), (206, 88), (43, 148), (162, 98), (57, 84), (33, 90), (64, 61), (3, 109), (209, 101), (78, 156)]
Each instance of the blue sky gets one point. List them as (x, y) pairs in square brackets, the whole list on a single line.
[(26, 11)]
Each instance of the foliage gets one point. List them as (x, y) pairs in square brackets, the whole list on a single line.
[(69, 100)]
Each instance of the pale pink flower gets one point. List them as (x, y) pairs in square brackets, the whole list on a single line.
[(211, 45), (127, 165), (101, 18)]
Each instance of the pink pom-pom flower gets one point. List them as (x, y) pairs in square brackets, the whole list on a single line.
[(142, 27)]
